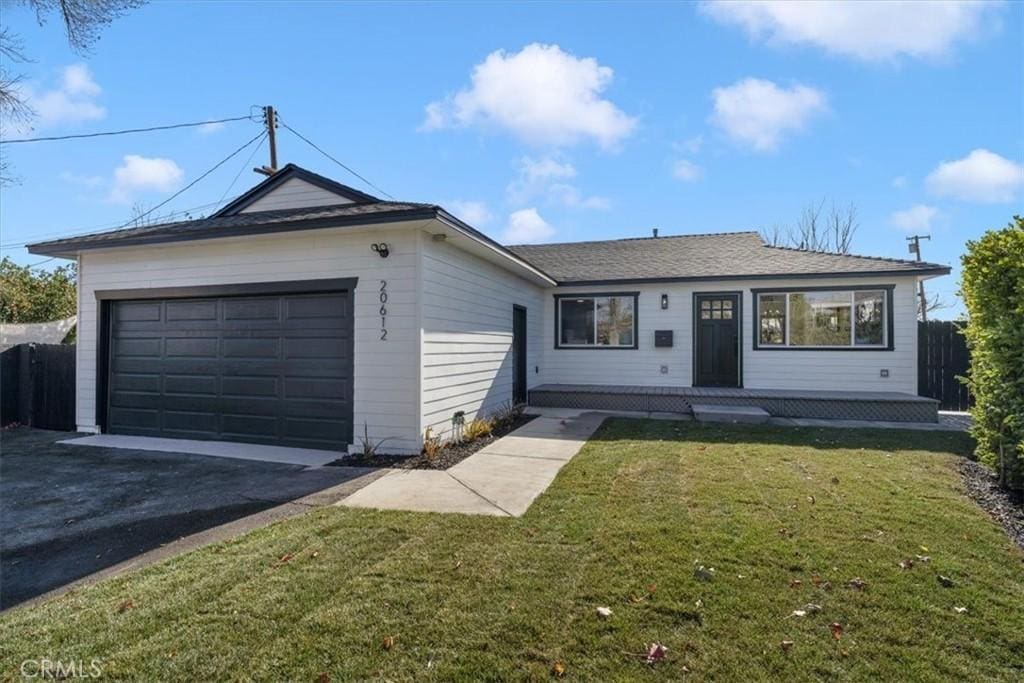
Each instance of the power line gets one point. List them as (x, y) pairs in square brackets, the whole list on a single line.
[(124, 132), (176, 194), (190, 185), (244, 166), (350, 170)]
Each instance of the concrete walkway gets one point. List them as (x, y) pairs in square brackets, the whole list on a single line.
[(502, 479)]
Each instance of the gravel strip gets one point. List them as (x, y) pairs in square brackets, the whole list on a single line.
[(982, 486)]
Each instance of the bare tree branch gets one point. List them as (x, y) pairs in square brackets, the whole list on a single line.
[(816, 230)]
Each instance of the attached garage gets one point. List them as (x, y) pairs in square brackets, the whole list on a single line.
[(268, 363)]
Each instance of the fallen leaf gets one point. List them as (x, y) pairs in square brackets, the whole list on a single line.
[(324, 677), (810, 499), (702, 448), (795, 583), (125, 606), (698, 604), (836, 629), (798, 613), (285, 558), (316, 553), (826, 585), (946, 582), (388, 642), (858, 583), (906, 564), (656, 652), (458, 564), (816, 580), (604, 612), (923, 558), (923, 548), (959, 610), (558, 669), (651, 588), (835, 480), (811, 607), (786, 645)]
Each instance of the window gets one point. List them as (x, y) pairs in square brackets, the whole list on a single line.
[(823, 319), (596, 321), (716, 309)]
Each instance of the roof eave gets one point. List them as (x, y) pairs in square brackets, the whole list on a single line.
[(477, 236)]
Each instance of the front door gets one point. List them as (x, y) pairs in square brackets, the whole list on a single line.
[(716, 340), (518, 354)]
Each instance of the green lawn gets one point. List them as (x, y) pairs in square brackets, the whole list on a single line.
[(479, 598)]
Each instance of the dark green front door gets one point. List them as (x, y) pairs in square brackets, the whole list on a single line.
[(716, 339)]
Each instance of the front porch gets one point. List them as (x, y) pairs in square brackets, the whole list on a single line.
[(794, 403)]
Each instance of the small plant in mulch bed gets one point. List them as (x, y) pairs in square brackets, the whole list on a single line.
[(438, 454)]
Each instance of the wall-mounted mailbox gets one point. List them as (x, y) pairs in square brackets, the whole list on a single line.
[(662, 338)]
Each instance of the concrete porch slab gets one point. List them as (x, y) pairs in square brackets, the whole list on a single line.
[(704, 412), (308, 457)]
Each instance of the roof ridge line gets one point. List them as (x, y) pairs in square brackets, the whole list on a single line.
[(638, 239)]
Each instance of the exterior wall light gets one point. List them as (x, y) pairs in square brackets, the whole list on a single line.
[(381, 249), (664, 302)]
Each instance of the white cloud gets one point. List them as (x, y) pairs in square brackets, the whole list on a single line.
[(760, 113), (546, 178), (73, 101), (82, 179), (140, 174), (916, 218), (687, 171), (692, 145), (474, 213), (981, 176), (215, 127), (899, 182), (541, 94), (526, 226), (869, 31)]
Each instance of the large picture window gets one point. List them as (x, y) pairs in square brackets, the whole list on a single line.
[(598, 321), (823, 319)]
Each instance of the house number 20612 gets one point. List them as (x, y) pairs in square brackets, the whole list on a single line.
[(383, 310)]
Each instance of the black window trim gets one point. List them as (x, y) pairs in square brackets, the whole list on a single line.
[(595, 346), (889, 318)]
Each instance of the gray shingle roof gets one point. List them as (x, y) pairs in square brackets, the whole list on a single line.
[(244, 223), (719, 256)]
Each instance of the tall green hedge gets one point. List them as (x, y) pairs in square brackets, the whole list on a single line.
[(993, 291)]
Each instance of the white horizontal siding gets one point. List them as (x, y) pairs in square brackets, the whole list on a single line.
[(790, 369), (386, 372), (295, 194), (467, 334)]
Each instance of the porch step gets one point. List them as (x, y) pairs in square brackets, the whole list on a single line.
[(703, 412)]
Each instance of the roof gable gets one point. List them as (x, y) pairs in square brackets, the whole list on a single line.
[(294, 187)]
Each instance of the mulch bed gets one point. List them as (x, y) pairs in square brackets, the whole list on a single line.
[(982, 485), (448, 457)]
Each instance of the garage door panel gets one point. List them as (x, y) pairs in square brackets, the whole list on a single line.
[(231, 387), (192, 311), (190, 421), (190, 384), (266, 369)]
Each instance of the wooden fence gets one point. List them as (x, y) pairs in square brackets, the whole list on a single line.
[(37, 386), (942, 356)]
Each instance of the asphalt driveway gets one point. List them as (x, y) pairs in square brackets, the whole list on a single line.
[(69, 511)]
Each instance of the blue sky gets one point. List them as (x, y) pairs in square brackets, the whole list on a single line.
[(545, 121)]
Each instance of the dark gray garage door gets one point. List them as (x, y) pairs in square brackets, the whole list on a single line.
[(263, 369)]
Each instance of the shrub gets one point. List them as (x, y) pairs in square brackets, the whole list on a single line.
[(993, 291), (478, 429), (370, 446), (506, 413), (432, 444)]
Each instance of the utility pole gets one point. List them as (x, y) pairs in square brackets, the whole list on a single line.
[(915, 248), (270, 121)]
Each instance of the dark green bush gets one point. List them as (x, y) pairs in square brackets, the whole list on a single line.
[(993, 291)]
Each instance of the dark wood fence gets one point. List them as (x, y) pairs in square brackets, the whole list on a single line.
[(942, 356), (37, 386)]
